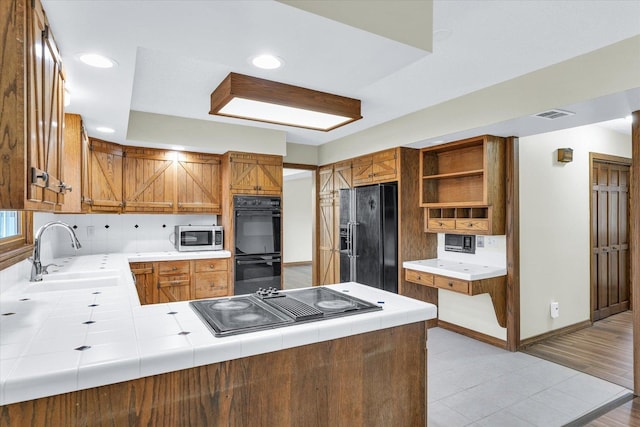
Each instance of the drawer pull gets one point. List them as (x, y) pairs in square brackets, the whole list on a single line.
[(450, 283), (174, 268), (211, 266), (419, 277)]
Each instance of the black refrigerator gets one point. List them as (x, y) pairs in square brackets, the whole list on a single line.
[(369, 236)]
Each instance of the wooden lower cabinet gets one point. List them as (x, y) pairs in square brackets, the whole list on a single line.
[(496, 287), (170, 281), (373, 379)]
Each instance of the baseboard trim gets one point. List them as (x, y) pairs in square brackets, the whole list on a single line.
[(296, 263), (473, 334), (556, 332)]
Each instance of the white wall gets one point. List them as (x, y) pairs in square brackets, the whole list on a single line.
[(297, 219), (554, 224), (476, 312)]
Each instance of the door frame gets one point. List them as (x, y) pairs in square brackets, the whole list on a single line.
[(314, 215), (615, 160), (634, 244)]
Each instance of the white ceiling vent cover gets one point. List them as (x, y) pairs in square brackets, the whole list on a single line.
[(554, 114)]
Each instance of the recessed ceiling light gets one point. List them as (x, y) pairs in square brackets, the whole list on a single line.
[(96, 60), (267, 62), (104, 129)]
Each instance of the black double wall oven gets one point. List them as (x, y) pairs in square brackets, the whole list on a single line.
[(257, 231)]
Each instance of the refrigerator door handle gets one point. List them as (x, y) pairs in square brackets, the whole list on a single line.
[(354, 246)]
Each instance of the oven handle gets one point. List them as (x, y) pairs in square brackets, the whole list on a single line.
[(263, 261), (256, 213)]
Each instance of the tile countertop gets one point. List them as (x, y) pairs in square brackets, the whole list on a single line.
[(54, 342), (455, 269)]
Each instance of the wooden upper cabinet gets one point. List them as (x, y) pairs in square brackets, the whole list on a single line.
[(255, 173), (102, 176), (148, 180), (376, 168), (198, 182), (32, 119), (342, 176), (462, 186)]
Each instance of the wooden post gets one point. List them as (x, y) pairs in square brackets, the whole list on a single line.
[(513, 244)]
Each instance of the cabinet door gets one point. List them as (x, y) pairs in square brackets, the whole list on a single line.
[(145, 285), (326, 242), (385, 166), (255, 174), (363, 170), (74, 137), (269, 175), (148, 180), (45, 117), (325, 182), (104, 176), (243, 174), (342, 176), (173, 289), (211, 285), (198, 189)]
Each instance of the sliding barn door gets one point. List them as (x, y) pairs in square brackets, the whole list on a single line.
[(610, 238)]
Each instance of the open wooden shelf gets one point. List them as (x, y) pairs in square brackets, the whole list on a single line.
[(462, 186)]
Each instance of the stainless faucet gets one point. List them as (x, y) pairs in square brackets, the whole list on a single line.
[(37, 270)]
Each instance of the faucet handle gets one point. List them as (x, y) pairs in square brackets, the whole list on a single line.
[(45, 267)]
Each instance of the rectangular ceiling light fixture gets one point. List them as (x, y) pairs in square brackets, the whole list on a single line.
[(251, 98)]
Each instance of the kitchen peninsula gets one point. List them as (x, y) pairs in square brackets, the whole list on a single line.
[(85, 352)]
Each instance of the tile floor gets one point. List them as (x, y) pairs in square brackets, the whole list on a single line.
[(475, 384)]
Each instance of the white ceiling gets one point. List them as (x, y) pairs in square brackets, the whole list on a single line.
[(172, 54)]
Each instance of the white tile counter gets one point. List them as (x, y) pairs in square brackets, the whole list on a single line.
[(455, 269), (53, 342)]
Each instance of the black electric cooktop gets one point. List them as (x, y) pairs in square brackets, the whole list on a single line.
[(270, 308)]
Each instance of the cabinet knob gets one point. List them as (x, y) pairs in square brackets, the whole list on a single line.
[(174, 268), (450, 283), (419, 277), (211, 266)]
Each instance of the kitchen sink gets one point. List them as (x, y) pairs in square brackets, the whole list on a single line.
[(77, 275), (74, 281)]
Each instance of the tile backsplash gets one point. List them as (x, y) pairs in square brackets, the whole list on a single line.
[(109, 233)]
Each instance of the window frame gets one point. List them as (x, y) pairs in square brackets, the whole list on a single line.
[(19, 247)]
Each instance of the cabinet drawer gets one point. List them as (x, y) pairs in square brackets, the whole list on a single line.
[(174, 280), (450, 284), (173, 267), (206, 265), (419, 277), (210, 285), (441, 224), (472, 224)]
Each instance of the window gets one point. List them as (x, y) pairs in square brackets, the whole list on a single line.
[(10, 224), (16, 237)]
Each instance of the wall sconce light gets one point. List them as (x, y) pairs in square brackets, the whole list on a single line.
[(565, 155), (263, 100)]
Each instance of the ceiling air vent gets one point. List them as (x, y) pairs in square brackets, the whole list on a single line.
[(554, 114)]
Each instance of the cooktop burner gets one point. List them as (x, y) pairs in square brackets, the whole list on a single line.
[(270, 308)]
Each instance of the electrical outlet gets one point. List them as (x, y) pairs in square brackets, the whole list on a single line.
[(479, 241), (491, 242)]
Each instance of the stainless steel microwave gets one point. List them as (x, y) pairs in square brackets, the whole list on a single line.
[(198, 238)]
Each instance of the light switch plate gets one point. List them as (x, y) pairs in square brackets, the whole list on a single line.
[(479, 241)]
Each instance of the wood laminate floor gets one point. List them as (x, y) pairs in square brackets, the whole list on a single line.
[(604, 350), (627, 414)]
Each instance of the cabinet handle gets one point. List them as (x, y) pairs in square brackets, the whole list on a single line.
[(174, 268), (419, 277), (211, 266)]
